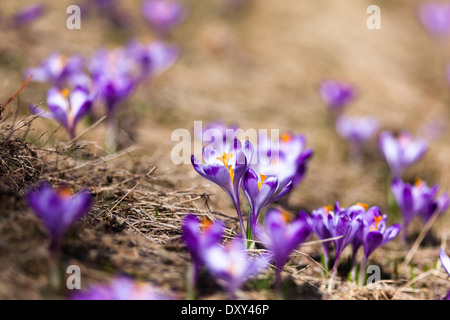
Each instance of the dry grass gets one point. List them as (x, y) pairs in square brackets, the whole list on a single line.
[(259, 69)]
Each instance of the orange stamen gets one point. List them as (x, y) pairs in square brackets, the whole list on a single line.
[(225, 157), (286, 137), (364, 205), (263, 178), (65, 192), (377, 221), (418, 183), (328, 209)]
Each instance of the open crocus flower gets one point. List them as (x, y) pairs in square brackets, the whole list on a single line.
[(286, 159), (435, 17), (282, 238), (336, 94), (232, 266), (402, 151), (373, 234), (58, 209), (57, 70), (445, 260), (225, 166), (67, 108), (123, 288), (357, 130), (339, 223), (163, 15), (260, 191), (198, 237)]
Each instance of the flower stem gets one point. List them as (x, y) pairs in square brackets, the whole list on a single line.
[(362, 272)]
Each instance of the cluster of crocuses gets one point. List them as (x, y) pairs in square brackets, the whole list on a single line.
[(108, 78), (356, 130), (265, 171)]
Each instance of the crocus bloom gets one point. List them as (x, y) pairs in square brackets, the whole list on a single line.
[(28, 14), (67, 109), (260, 191), (58, 209), (225, 167), (373, 234), (445, 260), (357, 129), (163, 15), (198, 237), (435, 17), (123, 288), (339, 223), (417, 199), (282, 238), (232, 266), (402, 151), (217, 133), (57, 70), (336, 94)]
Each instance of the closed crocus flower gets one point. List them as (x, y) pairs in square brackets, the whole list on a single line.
[(163, 15), (281, 237), (123, 288), (58, 209), (232, 266), (336, 222), (225, 166), (199, 235), (260, 191), (57, 70), (336, 94), (68, 108), (445, 260), (357, 129), (401, 152), (436, 206), (435, 17)]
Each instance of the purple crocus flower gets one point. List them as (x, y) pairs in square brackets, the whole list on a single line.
[(198, 237), (28, 14), (417, 199), (357, 130), (336, 94), (260, 191), (339, 223), (435, 17), (163, 15), (58, 209), (373, 234), (402, 151), (217, 133), (281, 237), (445, 260), (225, 166), (57, 70), (123, 288), (232, 266), (67, 109)]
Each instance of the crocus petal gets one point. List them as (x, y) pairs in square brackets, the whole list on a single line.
[(445, 260)]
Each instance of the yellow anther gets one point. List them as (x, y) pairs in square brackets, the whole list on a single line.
[(65, 191), (225, 157), (418, 183), (263, 178), (328, 209), (377, 221), (205, 223), (65, 92), (286, 137), (364, 205)]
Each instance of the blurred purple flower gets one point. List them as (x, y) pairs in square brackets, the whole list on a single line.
[(163, 15), (336, 94), (57, 70), (225, 166), (340, 223), (435, 17), (401, 152), (232, 266), (217, 133), (28, 14), (58, 209), (282, 238), (357, 129), (198, 237), (67, 109), (445, 260), (123, 288)]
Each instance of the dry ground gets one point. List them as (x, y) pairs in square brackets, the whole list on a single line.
[(258, 68)]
